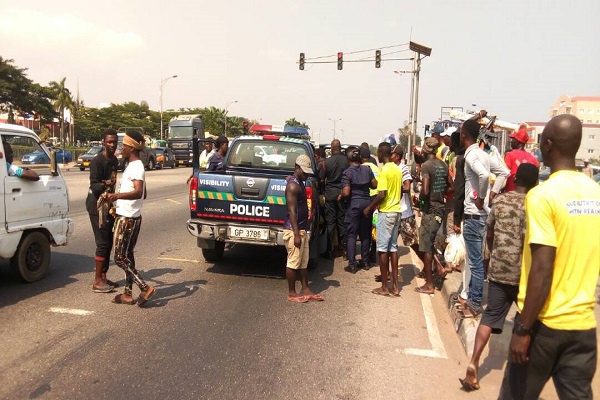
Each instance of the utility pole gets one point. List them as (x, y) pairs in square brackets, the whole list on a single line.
[(334, 121), (420, 50), (162, 83)]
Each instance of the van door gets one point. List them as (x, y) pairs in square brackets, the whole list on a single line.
[(27, 202)]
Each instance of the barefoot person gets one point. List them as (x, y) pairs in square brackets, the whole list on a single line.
[(295, 233), (103, 178), (505, 235), (389, 187), (436, 182), (129, 200)]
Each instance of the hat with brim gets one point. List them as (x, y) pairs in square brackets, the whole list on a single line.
[(431, 145), (521, 135), (303, 161)]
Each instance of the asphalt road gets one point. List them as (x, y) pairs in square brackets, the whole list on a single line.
[(220, 331)]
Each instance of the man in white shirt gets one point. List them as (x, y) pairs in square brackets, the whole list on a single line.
[(129, 200)]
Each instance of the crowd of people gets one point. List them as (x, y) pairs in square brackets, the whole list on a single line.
[(537, 246), (542, 241)]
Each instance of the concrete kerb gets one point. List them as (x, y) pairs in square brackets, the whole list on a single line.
[(466, 328)]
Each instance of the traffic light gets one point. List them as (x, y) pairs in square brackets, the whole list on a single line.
[(340, 61), (301, 62), (245, 123), (377, 58)]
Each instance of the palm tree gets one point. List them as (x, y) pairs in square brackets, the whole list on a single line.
[(62, 101)]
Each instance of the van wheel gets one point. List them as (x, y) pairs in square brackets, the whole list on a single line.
[(151, 164), (32, 258), (216, 254), (82, 168)]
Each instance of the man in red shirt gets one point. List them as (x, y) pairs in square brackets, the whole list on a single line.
[(518, 156)]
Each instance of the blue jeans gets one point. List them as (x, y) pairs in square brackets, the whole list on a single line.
[(473, 233)]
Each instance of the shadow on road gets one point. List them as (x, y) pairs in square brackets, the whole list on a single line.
[(62, 271), (269, 262), (166, 292)]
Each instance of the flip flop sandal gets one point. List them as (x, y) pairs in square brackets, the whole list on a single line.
[(421, 290), (119, 300), (298, 299), (106, 288), (379, 292), (111, 283), (315, 297), (143, 300), (468, 386)]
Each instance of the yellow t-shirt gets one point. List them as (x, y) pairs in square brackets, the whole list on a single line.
[(373, 192), (439, 154), (564, 212), (390, 180)]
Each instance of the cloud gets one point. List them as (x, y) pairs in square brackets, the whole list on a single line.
[(62, 36)]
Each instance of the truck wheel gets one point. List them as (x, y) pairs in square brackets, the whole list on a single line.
[(216, 254), (151, 164), (32, 258), (82, 168)]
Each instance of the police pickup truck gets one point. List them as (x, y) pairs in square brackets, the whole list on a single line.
[(245, 202)]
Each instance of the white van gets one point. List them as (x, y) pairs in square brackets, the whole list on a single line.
[(33, 214)]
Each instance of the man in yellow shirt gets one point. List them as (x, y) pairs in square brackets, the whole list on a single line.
[(555, 330), (389, 188)]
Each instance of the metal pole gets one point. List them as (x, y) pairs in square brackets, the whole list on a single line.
[(416, 108), (226, 112), (162, 83), (410, 112)]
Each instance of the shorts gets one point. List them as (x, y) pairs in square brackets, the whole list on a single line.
[(388, 224), (297, 258), (500, 298), (408, 230), (430, 224)]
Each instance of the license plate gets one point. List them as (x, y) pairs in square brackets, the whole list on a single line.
[(86, 163), (180, 162), (248, 233)]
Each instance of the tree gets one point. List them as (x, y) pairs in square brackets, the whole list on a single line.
[(294, 122), (21, 95), (62, 101)]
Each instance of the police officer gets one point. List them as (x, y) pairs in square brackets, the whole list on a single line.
[(357, 179)]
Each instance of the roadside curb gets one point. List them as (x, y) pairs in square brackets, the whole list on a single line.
[(466, 328)]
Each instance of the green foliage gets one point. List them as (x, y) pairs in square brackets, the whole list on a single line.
[(294, 122), (18, 93), (62, 101)]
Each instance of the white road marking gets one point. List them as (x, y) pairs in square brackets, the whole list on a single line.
[(177, 259), (174, 201), (72, 311), (437, 346)]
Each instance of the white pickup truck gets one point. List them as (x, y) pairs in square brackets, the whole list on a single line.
[(33, 214)]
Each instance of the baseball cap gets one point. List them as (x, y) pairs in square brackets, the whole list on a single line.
[(221, 140), (431, 145), (398, 149), (449, 131), (521, 135), (365, 153), (303, 161)]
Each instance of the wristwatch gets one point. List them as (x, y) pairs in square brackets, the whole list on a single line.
[(520, 329)]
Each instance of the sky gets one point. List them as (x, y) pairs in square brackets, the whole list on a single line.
[(513, 58)]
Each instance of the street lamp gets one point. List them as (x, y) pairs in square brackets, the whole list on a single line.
[(334, 121), (226, 111), (162, 83)]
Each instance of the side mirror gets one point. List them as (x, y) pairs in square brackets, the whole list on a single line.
[(53, 163)]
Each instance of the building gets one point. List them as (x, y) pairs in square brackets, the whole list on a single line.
[(590, 139), (586, 108)]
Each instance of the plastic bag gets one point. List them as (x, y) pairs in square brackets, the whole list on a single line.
[(455, 252)]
